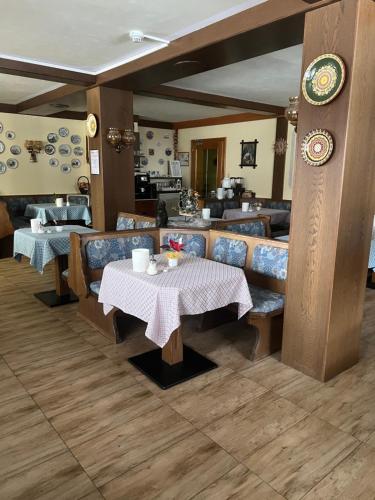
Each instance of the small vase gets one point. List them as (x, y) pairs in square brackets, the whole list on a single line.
[(172, 262)]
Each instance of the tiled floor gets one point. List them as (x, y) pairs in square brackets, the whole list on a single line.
[(77, 421)]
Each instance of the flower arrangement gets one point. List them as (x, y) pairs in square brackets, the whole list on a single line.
[(173, 251)]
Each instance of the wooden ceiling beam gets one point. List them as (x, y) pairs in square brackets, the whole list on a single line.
[(204, 99), (31, 70), (48, 97), (265, 28), (8, 108), (221, 120)]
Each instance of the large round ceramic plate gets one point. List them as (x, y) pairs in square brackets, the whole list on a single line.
[(63, 132), (49, 149), (12, 163), (52, 137), (65, 150), (65, 168), (323, 79), (91, 125), (3, 167), (317, 147), (2, 147), (15, 150)]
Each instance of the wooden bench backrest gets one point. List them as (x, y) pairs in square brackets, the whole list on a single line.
[(80, 275), (251, 242), (136, 217), (266, 219), (172, 230)]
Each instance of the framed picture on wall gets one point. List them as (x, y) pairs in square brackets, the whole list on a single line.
[(183, 159), (249, 154), (175, 168)]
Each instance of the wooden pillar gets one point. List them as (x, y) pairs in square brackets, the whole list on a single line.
[(113, 189), (279, 161), (333, 205)]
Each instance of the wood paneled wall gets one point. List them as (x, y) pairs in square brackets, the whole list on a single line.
[(112, 191), (333, 205)]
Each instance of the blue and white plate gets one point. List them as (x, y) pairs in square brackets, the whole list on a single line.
[(78, 151), (2, 147), (63, 132), (65, 150), (54, 162), (9, 134), (65, 168), (12, 163), (75, 139), (52, 137), (3, 167), (15, 150), (49, 149), (75, 163)]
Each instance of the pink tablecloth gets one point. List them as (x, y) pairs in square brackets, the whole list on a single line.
[(194, 287), (278, 216)]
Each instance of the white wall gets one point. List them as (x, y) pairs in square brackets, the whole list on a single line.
[(40, 177), (160, 142), (259, 179)]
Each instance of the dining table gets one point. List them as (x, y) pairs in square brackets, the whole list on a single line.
[(48, 212), (195, 286), (41, 248), (278, 216)]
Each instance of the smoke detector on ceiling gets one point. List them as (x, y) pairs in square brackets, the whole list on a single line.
[(137, 36)]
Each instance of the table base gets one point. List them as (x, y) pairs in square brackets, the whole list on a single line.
[(165, 375), (51, 299)]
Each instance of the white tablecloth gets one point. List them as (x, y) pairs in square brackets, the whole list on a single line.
[(278, 216), (194, 287), (49, 211)]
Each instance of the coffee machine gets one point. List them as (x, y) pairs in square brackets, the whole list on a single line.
[(143, 188)]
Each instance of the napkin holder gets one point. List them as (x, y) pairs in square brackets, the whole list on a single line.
[(59, 202), (140, 259), (35, 225)]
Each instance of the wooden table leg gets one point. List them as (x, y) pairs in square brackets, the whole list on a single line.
[(61, 285), (173, 351)]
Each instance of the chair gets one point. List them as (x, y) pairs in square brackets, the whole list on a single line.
[(78, 199), (128, 221), (194, 243), (229, 251), (250, 226)]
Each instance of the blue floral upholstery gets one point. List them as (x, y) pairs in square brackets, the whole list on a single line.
[(231, 252), (194, 244), (279, 205), (143, 224), (265, 301), (95, 287), (255, 228), (270, 261), (102, 251), (124, 223), (78, 199)]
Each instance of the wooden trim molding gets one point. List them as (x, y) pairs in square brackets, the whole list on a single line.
[(155, 124), (220, 120), (204, 99)]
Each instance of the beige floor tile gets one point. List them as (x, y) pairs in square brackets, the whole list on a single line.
[(28, 447), (5, 371), (298, 459), (239, 484), (11, 388), (351, 479), (19, 414), (255, 424), (178, 472), (111, 454), (91, 418), (216, 399), (59, 478)]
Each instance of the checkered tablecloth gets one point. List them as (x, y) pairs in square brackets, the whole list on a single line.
[(42, 248), (48, 212), (193, 287), (278, 216)]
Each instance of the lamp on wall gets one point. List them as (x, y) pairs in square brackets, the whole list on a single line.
[(291, 112), (33, 147), (120, 139)]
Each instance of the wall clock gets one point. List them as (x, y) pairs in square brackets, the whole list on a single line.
[(91, 125)]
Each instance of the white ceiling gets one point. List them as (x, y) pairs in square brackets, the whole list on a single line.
[(15, 89), (271, 78), (92, 35)]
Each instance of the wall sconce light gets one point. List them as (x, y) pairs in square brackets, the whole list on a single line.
[(291, 112), (33, 147), (120, 139)]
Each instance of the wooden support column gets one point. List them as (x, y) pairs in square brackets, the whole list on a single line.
[(112, 190), (333, 205), (279, 161)]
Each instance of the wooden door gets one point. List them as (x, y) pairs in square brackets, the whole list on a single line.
[(200, 150)]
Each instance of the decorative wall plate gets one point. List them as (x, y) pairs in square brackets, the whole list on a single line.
[(9, 134), (150, 134), (161, 161), (52, 137), (75, 163), (49, 149), (54, 162), (323, 79), (1, 127), (63, 132), (91, 125), (65, 168), (3, 167), (78, 151), (2, 147), (75, 139), (168, 151), (144, 161), (65, 150), (12, 163), (317, 147), (15, 150)]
